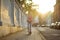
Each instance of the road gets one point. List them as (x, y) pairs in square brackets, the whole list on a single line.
[(23, 35), (49, 34)]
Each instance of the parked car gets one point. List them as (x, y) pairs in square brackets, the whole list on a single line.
[(53, 25), (35, 24), (58, 25), (43, 25)]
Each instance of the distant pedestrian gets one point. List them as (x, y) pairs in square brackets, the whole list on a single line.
[(29, 20)]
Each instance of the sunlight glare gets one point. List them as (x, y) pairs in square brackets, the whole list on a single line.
[(45, 5)]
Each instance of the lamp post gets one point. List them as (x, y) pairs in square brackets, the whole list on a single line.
[(0, 14)]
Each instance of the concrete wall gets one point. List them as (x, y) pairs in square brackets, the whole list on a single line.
[(7, 28)]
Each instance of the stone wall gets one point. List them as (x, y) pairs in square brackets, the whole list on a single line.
[(7, 28)]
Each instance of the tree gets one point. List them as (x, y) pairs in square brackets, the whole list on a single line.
[(26, 5)]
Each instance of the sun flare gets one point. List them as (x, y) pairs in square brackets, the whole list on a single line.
[(45, 5)]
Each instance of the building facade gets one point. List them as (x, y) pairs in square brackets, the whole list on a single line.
[(56, 15), (12, 14)]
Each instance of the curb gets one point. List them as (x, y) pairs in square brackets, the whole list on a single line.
[(41, 34)]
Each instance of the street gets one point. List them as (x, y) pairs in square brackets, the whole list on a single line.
[(38, 33), (23, 35), (49, 34), (41, 17)]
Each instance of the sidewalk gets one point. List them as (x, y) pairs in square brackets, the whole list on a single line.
[(6, 30), (49, 34), (23, 36)]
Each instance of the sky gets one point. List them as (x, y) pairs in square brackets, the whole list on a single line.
[(45, 5)]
